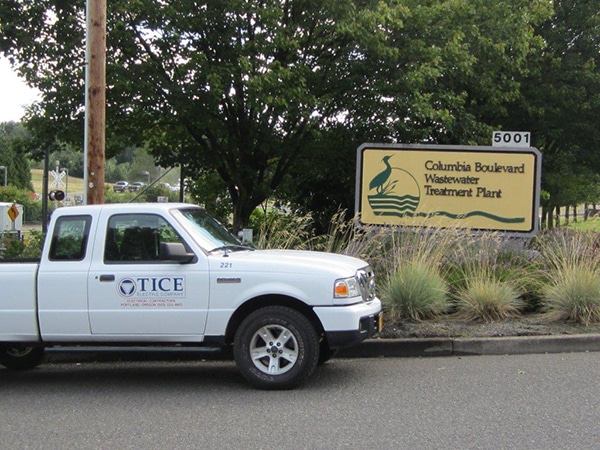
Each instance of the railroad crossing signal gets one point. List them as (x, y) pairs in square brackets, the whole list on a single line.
[(56, 195)]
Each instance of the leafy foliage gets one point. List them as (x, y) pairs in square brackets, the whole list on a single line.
[(30, 246), (32, 208), (560, 102), (244, 89), (14, 142)]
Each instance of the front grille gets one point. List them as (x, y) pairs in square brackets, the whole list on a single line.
[(366, 281)]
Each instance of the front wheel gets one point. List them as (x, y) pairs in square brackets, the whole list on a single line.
[(276, 348), (21, 358)]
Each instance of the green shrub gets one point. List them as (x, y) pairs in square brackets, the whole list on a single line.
[(34, 241), (11, 247), (415, 291), (486, 298), (147, 195), (32, 208), (29, 247), (573, 294)]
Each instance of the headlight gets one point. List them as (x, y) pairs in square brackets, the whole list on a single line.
[(346, 288)]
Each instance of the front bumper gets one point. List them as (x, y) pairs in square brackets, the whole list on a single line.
[(350, 325)]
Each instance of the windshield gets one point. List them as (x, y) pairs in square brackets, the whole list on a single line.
[(207, 231)]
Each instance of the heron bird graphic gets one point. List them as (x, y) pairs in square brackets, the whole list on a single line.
[(379, 181)]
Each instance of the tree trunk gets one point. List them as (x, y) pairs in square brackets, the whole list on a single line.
[(544, 218)]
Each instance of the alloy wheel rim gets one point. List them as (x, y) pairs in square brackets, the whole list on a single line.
[(274, 349)]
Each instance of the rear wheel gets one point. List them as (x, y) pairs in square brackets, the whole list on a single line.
[(276, 348), (21, 358)]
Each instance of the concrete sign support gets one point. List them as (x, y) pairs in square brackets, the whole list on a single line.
[(447, 186)]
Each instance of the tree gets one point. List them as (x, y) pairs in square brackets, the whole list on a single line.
[(238, 86), (244, 87), (560, 102), (446, 74), (14, 143)]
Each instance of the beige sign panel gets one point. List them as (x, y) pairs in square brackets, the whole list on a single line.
[(479, 188)]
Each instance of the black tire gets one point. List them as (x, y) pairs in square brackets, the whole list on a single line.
[(276, 348), (21, 358)]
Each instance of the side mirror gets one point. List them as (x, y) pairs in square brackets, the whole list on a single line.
[(175, 252)]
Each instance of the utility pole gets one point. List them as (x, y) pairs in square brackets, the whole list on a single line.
[(95, 101)]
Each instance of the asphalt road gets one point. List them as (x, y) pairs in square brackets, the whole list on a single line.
[(546, 401)]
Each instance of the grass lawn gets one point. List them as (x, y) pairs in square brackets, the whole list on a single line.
[(592, 224)]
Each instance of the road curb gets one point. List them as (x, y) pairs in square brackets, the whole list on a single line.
[(510, 345), (371, 348)]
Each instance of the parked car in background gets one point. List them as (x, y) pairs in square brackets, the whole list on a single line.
[(170, 187), (121, 186), (136, 186)]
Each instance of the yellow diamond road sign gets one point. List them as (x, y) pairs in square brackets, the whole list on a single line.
[(13, 212)]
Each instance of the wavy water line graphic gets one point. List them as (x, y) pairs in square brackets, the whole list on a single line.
[(404, 206), (406, 202), (452, 215)]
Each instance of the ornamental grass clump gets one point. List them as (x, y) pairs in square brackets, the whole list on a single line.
[(415, 291), (565, 248), (486, 298), (489, 276), (283, 231), (572, 277), (573, 294)]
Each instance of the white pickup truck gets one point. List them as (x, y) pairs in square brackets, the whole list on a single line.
[(169, 274)]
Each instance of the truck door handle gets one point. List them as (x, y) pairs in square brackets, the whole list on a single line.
[(107, 278)]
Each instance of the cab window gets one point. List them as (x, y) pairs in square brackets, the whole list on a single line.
[(135, 238)]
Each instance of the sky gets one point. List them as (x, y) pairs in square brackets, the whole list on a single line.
[(14, 94)]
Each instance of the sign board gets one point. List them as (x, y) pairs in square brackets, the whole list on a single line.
[(511, 139), (13, 212), (8, 210), (443, 186)]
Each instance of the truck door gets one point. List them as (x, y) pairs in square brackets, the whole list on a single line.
[(135, 292), (63, 277)]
